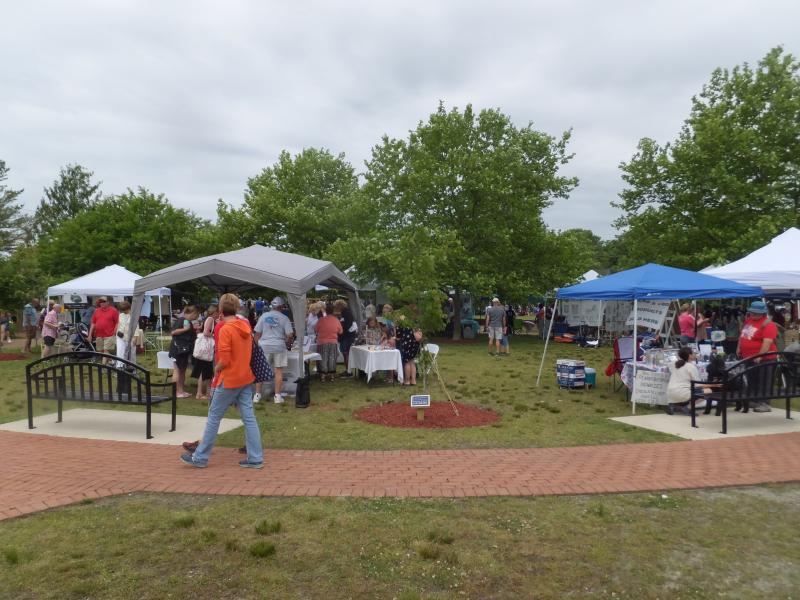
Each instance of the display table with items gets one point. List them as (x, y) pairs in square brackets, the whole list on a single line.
[(374, 358)]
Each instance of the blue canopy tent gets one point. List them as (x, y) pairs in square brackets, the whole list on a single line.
[(651, 282)]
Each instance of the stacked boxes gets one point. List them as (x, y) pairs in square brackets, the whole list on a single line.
[(570, 373)]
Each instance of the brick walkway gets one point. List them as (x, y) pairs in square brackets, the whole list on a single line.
[(39, 472)]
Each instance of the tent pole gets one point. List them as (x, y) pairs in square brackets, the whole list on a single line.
[(547, 339), (635, 352)]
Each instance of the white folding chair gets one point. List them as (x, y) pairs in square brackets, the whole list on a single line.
[(165, 361)]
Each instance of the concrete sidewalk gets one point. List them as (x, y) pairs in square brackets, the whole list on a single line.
[(39, 472)]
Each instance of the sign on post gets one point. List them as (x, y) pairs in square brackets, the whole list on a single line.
[(420, 402)]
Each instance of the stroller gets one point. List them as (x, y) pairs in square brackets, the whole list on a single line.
[(78, 337)]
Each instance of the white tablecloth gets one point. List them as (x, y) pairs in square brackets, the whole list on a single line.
[(369, 361), (294, 358)]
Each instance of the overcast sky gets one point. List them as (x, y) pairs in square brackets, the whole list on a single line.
[(190, 99)]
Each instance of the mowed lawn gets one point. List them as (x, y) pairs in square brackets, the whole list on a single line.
[(731, 543), (531, 416)]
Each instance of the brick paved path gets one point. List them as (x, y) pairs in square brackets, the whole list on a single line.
[(38, 472)]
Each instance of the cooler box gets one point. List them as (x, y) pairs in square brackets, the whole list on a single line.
[(591, 377), (570, 373)]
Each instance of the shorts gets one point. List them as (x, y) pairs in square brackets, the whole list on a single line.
[(346, 343), (30, 332), (107, 345), (182, 361), (49, 341), (203, 368), (276, 360), (495, 333)]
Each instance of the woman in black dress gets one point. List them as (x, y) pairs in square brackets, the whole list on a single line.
[(409, 348)]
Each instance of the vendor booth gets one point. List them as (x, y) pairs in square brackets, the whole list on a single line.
[(648, 285), (255, 267)]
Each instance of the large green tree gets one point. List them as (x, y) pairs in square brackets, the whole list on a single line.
[(12, 220), (71, 194), (729, 182), (139, 230), (302, 203), (464, 195)]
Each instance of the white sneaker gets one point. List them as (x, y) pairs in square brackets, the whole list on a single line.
[(256, 398), (278, 398)]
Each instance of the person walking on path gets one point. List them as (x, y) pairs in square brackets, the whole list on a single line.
[(273, 331), (104, 325), (495, 325), (233, 384), (30, 319)]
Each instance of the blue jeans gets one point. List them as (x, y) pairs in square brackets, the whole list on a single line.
[(685, 339), (220, 401)]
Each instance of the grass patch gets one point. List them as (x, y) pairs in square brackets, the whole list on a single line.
[(268, 527), (184, 521), (624, 546), (11, 555), (261, 549)]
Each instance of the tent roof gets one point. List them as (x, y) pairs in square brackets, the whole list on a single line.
[(108, 281), (657, 282), (255, 266), (773, 267)]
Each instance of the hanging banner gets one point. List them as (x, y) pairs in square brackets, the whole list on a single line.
[(74, 301), (582, 312), (615, 313), (649, 314)]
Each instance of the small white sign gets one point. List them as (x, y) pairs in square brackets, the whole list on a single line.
[(420, 401), (650, 388), (649, 314)]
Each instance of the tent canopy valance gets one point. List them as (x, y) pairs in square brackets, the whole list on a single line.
[(256, 267), (112, 280), (657, 282), (773, 267)]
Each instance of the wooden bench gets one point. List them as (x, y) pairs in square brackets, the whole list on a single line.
[(82, 377), (762, 378)]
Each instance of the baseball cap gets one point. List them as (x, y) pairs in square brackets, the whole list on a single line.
[(276, 302), (757, 308)]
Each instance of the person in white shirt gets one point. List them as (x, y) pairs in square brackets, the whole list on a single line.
[(679, 389)]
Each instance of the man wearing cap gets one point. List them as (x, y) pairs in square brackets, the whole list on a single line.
[(757, 337), (30, 318), (104, 325), (495, 325), (272, 332)]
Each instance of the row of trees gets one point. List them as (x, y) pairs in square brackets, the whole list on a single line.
[(456, 207)]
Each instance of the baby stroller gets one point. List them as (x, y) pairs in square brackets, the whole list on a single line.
[(78, 337)]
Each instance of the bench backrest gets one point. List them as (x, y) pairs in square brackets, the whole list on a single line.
[(82, 376), (776, 375)]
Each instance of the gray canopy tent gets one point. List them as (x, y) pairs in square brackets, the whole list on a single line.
[(253, 267)]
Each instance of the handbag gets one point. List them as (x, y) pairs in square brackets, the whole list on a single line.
[(259, 365), (204, 348), (179, 346)]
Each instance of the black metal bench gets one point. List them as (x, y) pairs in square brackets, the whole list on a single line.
[(762, 378), (82, 377)]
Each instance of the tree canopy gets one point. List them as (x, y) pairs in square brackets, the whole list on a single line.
[(71, 194), (12, 220), (729, 182)]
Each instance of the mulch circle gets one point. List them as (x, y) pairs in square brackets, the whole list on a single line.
[(440, 415), (13, 356)]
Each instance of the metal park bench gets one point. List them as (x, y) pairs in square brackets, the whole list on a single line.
[(82, 377), (775, 376)]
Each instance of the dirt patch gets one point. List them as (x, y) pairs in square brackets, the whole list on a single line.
[(6, 356), (440, 415)]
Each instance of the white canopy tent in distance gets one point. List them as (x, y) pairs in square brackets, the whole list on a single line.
[(255, 267), (653, 283)]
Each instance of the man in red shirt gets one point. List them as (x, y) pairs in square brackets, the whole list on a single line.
[(104, 325), (758, 337)]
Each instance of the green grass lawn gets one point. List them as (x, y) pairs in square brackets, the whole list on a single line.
[(732, 543), (531, 416)]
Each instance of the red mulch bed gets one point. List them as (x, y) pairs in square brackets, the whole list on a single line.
[(440, 415), (13, 356)]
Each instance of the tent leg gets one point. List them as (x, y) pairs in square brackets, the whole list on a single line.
[(635, 354), (547, 339)]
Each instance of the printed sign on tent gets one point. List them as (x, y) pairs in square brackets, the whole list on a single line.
[(615, 312), (649, 314), (650, 388), (582, 312)]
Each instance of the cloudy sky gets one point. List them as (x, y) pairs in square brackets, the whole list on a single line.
[(190, 99)]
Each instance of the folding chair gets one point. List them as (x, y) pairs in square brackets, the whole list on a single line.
[(623, 352), (165, 361)]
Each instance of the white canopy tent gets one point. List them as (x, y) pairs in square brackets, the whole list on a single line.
[(255, 267), (774, 267), (112, 280)]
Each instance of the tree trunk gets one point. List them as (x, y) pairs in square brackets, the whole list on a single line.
[(457, 315)]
